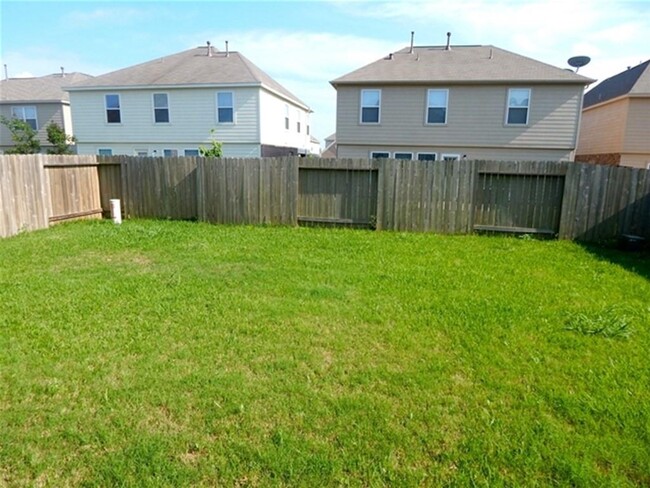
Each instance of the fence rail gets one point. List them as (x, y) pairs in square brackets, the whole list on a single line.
[(568, 200)]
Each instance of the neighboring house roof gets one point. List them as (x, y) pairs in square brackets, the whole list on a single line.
[(193, 67), (459, 64), (633, 81), (41, 89), (313, 140)]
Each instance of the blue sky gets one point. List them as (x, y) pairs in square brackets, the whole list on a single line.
[(305, 44)]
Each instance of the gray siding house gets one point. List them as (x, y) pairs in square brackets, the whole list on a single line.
[(38, 101), (169, 106), (452, 102)]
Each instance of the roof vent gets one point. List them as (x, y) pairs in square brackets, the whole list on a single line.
[(227, 51), (448, 46), (412, 37), (209, 50), (6, 73), (62, 72)]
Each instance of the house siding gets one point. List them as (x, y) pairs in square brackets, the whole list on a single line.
[(602, 129), (230, 150), (45, 114), (508, 154), (272, 126), (637, 130), (475, 118), (192, 116)]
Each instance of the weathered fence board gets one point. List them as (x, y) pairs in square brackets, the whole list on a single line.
[(572, 200)]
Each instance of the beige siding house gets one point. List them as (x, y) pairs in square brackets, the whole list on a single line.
[(454, 102), (169, 107), (39, 102), (615, 125)]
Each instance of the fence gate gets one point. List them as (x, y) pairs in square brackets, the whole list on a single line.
[(524, 197), (340, 193)]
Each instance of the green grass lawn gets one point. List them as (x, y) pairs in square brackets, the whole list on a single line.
[(182, 354)]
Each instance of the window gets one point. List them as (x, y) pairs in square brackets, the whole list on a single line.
[(426, 156), (170, 153), (403, 155), (225, 108), (160, 108), (142, 153), (113, 115), (191, 152), (286, 117), (379, 155), (450, 157), (26, 114), (370, 106), (307, 129), (518, 104), (105, 152), (437, 106)]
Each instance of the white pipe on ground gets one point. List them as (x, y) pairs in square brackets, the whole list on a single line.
[(116, 211)]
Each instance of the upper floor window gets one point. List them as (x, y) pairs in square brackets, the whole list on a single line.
[(26, 114), (191, 152), (379, 155), (450, 157), (307, 129), (298, 121), (403, 155), (160, 108), (113, 115), (286, 117), (518, 105), (426, 156), (437, 106), (370, 106), (225, 108), (105, 152), (170, 153)]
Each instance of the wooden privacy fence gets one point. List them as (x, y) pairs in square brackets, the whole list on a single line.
[(568, 200)]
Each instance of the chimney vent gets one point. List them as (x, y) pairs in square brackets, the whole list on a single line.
[(448, 47), (412, 36), (62, 72), (390, 56), (6, 73), (227, 51), (209, 50)]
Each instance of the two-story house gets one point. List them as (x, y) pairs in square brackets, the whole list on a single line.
[(39, 102), (454, 102), (615, 126), (169, 107)]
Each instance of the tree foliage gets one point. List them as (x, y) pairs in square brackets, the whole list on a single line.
[(215, 150), (59, 139), (24, 137)]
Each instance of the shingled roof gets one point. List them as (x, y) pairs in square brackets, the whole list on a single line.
[(193, 67), (41, 89), (633, 81), (459, 64)]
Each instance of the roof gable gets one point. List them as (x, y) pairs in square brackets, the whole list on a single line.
[(459, 64), (631, 81), (186, 68), (43, 88)]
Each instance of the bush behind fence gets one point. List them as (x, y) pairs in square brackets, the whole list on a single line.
[(568, 200)]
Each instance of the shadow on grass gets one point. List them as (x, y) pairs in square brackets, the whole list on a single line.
[(636, 261)]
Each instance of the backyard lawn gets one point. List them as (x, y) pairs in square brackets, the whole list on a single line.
[(184, 354)]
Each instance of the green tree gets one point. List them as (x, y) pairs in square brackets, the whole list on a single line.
[(216, 148), (59, 139), (24, 137)]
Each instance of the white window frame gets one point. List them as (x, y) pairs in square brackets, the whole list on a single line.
[(193, 150), (171, 151), (435, 156), (23, 115), (104, 149), (450, 157), (362, 106), (119, 107), (410, 154), (287, 122), (446, 107), (372, 154), (141, 153), (508, 107), (153, 104), (231, 107)]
